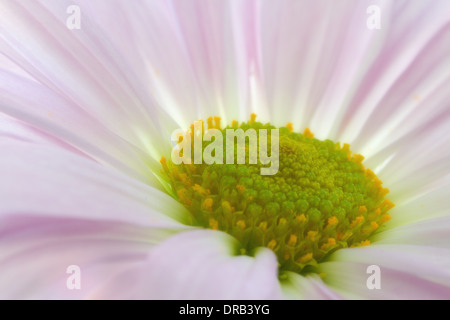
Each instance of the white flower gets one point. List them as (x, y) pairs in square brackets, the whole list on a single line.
[(86, 114)]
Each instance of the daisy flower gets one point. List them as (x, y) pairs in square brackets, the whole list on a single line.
[(91, 92)]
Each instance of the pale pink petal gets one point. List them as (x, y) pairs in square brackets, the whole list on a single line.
[(49, 181), (407, 272), (428, 232), (429, 205), (309, 55), (202, 264), (7, 65), (85, 70), (13, 129), (36, 251), (191, 56), (309, 287), (216, 41), (384, 91), (405, 86), (59, 209), (52, 114), (416, 164)]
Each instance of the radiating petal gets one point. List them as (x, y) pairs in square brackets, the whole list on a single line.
[(404, 87), (307, 288), (59, 209), (48, 181), (407, 272), (428, 232), (384, 91), (429, 205), (85, 70), (36, 252), (51, 113), (16, 130), (200, 264)]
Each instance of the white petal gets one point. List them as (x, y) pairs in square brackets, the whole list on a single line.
[(43, 180), (16, 130), (196, 56), (407, 272), (309, 287), (408, 68), (429, 232), (62, 120), (429, 205), (201, 265), (36, 252), (83, 67)]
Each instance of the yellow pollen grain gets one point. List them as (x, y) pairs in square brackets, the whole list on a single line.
[(374, 225), (217, 122), (365, 243), (202, 191), (385, 218), (292, 240), (263, 226), (226, 207), (290, 127), (312, 235), (240, 188), (358, 159), (308, 134), (305, 258), (333, 221), (330, 243), (387, 205), (209, 122), (213, 224), (163, 162), (207, 204), (241, 224), (358, 220), (182, 195), (271, 245), (301, 218), (184, 179)]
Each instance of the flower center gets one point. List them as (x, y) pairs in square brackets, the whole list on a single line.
[(320, 200)]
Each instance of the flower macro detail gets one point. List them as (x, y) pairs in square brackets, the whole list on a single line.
[(108, 192), (322, 199)]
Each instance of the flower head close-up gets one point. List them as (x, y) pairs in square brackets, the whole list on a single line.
[(224, 149)]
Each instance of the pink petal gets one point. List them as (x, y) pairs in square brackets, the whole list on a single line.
[(88, 75), (58, 209), (62, 120), (427, 232), (36, 251), (407, 272), (200, 264), (431, 204), (13, 129), (48, 181)]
